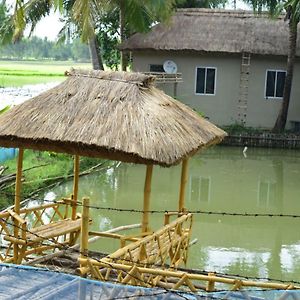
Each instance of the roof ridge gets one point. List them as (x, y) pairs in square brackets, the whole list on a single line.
[(239, 13), (118, 76)]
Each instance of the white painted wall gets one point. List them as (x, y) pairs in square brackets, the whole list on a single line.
[(221, 108)]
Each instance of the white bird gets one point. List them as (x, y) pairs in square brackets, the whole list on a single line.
[(244, 152)]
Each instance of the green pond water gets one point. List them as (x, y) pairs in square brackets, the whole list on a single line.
[(221, 179)]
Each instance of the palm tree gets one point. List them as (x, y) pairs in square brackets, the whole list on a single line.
[(139, 16), (32, 11), (6, 25), (135, 15), (291, 8)]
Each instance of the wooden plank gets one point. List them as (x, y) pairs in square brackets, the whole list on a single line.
[(52, 230)]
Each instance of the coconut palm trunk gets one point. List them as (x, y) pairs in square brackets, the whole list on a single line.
[(95, 53), (282, 116)]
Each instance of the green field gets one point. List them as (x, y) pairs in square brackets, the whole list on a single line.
[(19, 73)]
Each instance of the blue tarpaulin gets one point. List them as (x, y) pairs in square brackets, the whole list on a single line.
[(7, 153), (23, 282)]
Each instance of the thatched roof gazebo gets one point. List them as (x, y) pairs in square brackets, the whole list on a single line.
[(115, 115)]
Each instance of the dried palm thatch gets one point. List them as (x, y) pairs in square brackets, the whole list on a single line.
[(115, 115), (214, 30)]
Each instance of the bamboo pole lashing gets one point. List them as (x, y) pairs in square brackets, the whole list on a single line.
[(18, 200), (183, 182), (147, 193), (84, 239)]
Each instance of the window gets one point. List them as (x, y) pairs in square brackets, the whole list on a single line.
[(274, 84), (205, 80), (157, 68), (266, 193), (200, 188)]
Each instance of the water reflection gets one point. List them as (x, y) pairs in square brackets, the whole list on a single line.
[(221, 179)]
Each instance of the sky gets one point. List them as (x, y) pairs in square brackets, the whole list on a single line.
[(50, 25)]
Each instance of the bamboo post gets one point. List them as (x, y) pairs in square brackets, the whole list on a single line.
[(184, 179), (74, 195), (75, 186), (84, 239), (210, 283), (147, 192), (18, 200)]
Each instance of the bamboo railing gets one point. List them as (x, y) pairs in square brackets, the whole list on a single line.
[(169, 245), (40, 228), (173, 279)]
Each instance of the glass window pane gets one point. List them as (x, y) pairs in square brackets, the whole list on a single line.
[(200, 80), (156, 68), (195, 188), (280, 84), (270, 88), (204, 194), (263, 193), (210, 81)]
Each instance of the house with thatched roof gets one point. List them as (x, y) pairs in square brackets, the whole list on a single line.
[(232, 64)]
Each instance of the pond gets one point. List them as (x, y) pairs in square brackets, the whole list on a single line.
[(221, 179)]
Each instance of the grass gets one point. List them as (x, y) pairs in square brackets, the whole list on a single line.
[(52, 165), (19, 73)]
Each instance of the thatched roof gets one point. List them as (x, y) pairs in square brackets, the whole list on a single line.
[(210, 30), (115, 115)]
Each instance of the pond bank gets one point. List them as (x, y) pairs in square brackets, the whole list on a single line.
[(43, 170), (264, 140)]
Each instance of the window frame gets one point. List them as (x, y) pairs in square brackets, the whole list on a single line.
[(266, 77), (215, 80)]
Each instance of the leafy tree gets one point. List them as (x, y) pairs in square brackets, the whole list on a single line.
[(37, 48), (6, 24), (291, 8), (139, 16), (83, 15), (109, 37), (30, 12)]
